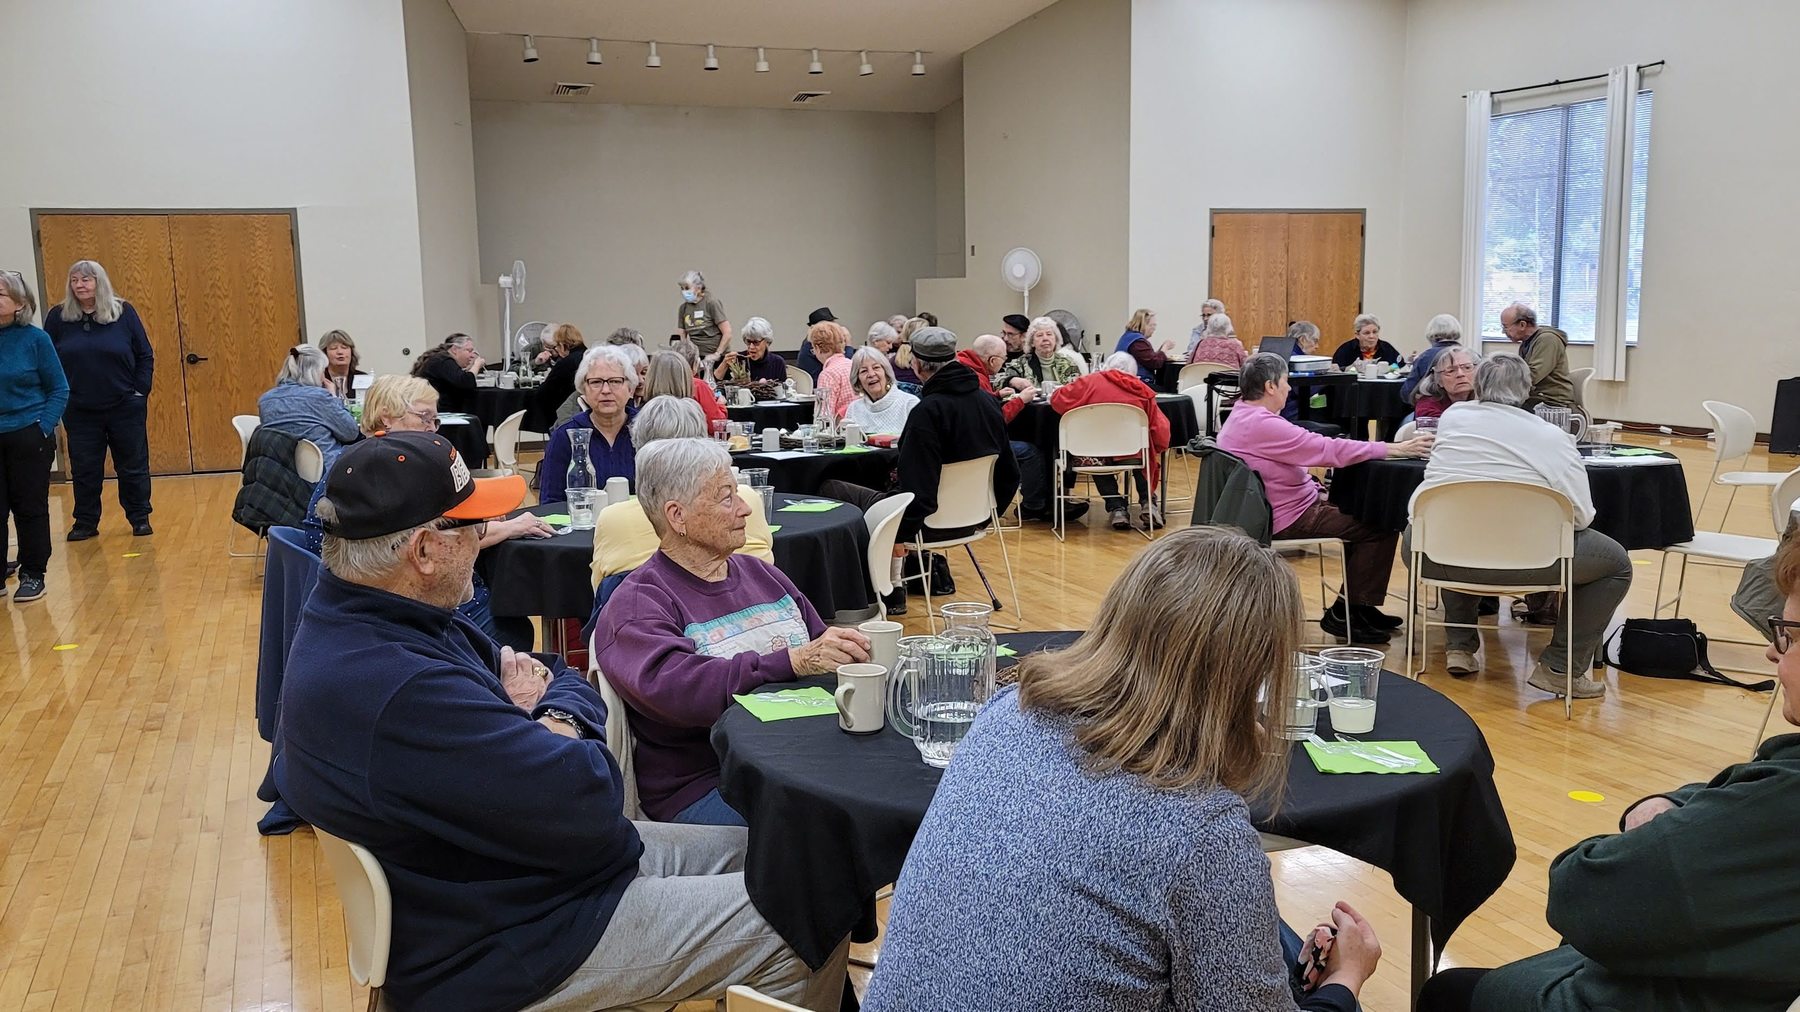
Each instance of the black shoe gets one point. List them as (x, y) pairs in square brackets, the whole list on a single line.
[(1374, 617), (895, 603), (11, 568), (80, 533), (1075, 510), (942, 583), (1364, 634), (1036, 516), (141, 529), (1488, 606), (31, 587)]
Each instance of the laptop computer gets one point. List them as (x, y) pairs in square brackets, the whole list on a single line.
[(1282, 346)]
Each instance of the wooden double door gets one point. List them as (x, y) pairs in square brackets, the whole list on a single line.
[(220, 299), (1273, 267)]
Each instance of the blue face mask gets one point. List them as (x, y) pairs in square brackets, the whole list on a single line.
[(690, 296)]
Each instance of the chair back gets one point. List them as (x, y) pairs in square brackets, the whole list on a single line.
[(1578, 378), (1782, 501), (309, 461), (1194, 375), (803, 384), (1734, 431), (368, 906), (1406, 432), (506, 442), (883, 519), (246, 427), (965, 494), (619, 740), (1229, 493), (1104, 430), (1454, 525), (739, 998)]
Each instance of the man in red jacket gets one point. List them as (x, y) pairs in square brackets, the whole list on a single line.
[(1116, 383), (984, 358)]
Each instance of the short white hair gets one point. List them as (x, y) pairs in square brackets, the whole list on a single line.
[(106, 305), (1443, 329), (758, 329), (1120, 361), (667, 417), (869, 353), (1218, 324), (304, 365), (1363, 320), (1503, 379), (365, 560), (612, 353), (675, 470), (694, 279), (881, 330), (1213, 304)]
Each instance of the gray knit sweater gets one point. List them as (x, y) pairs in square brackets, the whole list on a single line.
[(1034, 884)]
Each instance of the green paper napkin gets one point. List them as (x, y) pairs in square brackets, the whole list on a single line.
[(559, 519), (809, 506), (774, 527), (1003, 650), (1635, 451), (786, 704), (850, 449), (1341, 757)]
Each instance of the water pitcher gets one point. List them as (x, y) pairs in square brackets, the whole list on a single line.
[(581, 466), (932, 695)]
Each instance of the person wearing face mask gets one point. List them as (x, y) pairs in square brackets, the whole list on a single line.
[(701, 316)]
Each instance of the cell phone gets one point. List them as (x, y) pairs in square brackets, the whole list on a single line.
[(674, 339), (1309, 969)]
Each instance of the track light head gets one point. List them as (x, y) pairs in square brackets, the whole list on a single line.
[(865, 70), (531, 55), (593, 57), (815, 67), (653, 61), (762, 61), (918, 68), (712, 59)]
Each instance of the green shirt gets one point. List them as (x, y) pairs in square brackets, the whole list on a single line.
[(700, 322), (1547, 353), (1058, 368)]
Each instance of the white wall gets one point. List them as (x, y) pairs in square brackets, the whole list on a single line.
[(947, 132), (198, 104), (444, 156), (1272, 104), (1721, 226), (782, 211), (1046, 133)]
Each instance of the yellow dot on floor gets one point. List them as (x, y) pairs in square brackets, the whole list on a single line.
[(131, 555), (65, 646), (1587, 797)]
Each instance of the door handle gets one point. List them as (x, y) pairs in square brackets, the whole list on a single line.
[(193, 359)]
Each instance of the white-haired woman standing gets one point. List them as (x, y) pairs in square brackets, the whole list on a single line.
[(606, 382), (107, 358), (33, 394), (881, 406), (303, 404), (701, 316)]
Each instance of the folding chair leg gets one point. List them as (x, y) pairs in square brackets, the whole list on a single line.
[(1568, 604), (1011, 581), (970, 548), (1763, 730)]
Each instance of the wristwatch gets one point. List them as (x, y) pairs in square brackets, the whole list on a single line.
[(569, 719)]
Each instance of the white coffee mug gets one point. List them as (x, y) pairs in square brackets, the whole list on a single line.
[(861, 697), (853, 434), (618, 490), (744, 398), (771, 440), (884, 641)]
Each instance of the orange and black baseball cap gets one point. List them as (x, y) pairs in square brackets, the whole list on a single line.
[(387, 484)]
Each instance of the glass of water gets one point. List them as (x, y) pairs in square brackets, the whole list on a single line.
[(809, 438), (1353, 676), (1301, 714), (767, 492), (582, 506), (756, 476)]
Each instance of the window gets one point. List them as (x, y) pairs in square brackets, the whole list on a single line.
[(1546, 170)]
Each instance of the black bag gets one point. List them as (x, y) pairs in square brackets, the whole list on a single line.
[(1668, 648), (942, 583)]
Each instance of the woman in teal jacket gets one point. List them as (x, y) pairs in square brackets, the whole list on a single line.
[(33, 394)]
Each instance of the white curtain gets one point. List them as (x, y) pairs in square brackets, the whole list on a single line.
[(1615, 223), (1478, 110)]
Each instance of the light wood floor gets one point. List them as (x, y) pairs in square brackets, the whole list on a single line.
[(132, 876)]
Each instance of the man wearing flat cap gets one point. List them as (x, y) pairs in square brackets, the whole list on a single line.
[(480, 780)]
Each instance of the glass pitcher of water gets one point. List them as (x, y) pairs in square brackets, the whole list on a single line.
[(579, 488), (966, 624), (932, 694)]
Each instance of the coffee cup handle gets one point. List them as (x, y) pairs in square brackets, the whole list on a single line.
[(843, 697)]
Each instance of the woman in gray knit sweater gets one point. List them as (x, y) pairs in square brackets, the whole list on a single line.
[(1090, 849)]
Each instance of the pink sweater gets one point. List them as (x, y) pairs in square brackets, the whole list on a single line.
[(834, 383), (1280, 452)]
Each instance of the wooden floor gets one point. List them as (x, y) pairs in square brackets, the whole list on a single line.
[(132, 875)]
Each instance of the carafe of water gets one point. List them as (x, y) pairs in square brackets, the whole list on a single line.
[(932, 695), (580, 491), (966, 625)]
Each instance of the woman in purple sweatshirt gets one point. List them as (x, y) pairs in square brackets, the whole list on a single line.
[(697, 624)]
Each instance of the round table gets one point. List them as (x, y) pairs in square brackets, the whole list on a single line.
[(469, 437), (832, 814), (824, 554), (773, 414), (802, 472), (1637, 505), (1370, 400), (1331, 384), (494, 405)]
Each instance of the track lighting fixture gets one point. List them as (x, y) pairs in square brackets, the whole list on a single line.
[(653, 61), (865, 70), (918, 64), (815, 67), (762, 61), (530, 50), (593, 56), (712, 59)]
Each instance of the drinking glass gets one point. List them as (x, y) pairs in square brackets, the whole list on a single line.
[(1301, 714), (809, 438), (1353, 676), (582, 506), (768, 501), (756, 476), (721, 429), (1424, 425)]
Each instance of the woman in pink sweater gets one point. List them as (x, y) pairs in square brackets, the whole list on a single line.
[(1280, 452), (834, 382)]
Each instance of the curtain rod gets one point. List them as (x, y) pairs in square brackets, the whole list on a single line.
[(1559, 83)]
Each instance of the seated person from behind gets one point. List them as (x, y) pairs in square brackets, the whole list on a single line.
[(830, 340), (1493, 439), (1218, 343), (1116, 382), (1449, 379), (606, 382), (1693, 906), (1106, 794), (697, 624), (479, 780), (302, 404), (756, 365), (1280, 452), (1440, 333), (881, 406), (1366, 346)]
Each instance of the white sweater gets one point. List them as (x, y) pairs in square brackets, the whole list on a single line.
[(1496, 442), (887, 415)]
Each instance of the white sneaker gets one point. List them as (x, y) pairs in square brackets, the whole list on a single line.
[(1120, 522), (1553, 683), (1462, 663)]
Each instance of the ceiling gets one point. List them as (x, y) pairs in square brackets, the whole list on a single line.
[(943, 29)]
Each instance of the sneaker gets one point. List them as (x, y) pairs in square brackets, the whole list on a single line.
[(81, 533), (11, 568), (1151, 518), (1119, 519), (895, 603), (31, 587), (1554, 683), (141, 529), (1462, 663)]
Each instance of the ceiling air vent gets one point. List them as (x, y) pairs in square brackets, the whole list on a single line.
[(571, 88), (803, 97)]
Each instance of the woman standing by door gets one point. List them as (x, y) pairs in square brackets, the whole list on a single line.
[(33, 394), (107, 358)]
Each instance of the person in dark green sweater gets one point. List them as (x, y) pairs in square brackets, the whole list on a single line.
[(1694, 906)]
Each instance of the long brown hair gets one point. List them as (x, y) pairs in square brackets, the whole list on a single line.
[(1164, 684)]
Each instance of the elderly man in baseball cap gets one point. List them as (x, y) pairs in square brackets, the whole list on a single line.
[(480, 779)]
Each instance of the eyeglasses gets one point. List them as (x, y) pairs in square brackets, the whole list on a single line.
[(606, 381), (430, 421), (457, 525), (1783, 632)]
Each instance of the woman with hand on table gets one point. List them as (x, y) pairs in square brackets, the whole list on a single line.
[(1090, 847), (699, 623), (1694, 906), (1366, 346)]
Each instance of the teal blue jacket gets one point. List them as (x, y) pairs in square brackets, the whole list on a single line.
[(32, 385)]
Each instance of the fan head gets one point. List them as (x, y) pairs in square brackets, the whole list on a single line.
[(1021, 269), (518, 281), (527, 340)]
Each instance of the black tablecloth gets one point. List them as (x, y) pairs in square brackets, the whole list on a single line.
[(470, 440), (1363, 401), (493, 405), (805, 474), (825, 554), (1184, 424), (1336, 386), (1168, 376), (832, 815), (772, 415), (1639, 506)]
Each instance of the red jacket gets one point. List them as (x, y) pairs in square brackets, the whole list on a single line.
[(1109, 386), (709, 403), (1009, 407)]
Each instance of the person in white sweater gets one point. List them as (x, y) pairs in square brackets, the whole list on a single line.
[(880, 406), (1492, 438)]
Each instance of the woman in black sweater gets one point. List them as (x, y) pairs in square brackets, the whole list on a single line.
[(564, 344), (451, 369)]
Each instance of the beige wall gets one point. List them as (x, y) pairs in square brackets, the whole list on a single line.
[(1046, 133), (444, 156), (947, 131), (1721, 222), (783, 211), (199, 104), (1273, 104)]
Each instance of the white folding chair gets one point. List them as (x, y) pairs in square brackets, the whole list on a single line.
[(1453, 525), (506, 446), (739, 998), (309, 461), (619, 740), (1405, 432), (1194, 374), (884, 519), (803, 384), (1734, 436), (362, 890), (1107, 432), (965, 499), (1579, 379)]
